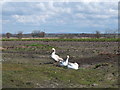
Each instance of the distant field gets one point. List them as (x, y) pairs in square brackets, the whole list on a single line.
[(27, 63), (55, 39)]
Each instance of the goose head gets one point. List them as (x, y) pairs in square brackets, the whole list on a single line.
[(68, 56), (53, 49)]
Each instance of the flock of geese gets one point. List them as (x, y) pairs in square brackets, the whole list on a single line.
[(64, 62)]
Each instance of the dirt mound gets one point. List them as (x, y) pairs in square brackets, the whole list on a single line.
[(112, 58)]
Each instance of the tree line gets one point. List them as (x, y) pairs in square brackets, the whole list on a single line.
[(34, 34), (38, 33)]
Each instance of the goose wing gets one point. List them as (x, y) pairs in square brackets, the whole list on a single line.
[(56, 58), (71, 64), (76, 64), (59, 58)]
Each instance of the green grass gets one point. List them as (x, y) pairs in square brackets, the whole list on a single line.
[(40, 45), (32, 47), (87, 39), (26, 75)]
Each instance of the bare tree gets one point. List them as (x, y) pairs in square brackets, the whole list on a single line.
[(8, 35), (107, 32), (115, 33), (112, 33), (20, 35), (97, 34), (42, 34), (37, 33)]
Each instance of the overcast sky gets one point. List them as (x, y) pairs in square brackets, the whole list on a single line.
[(59, 17)]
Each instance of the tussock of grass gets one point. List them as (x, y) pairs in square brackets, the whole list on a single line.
[(100, 65)]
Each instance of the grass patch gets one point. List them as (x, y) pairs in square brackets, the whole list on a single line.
[(40, 45), (32, 47), (100, 65), (87, 39), (31, 75)]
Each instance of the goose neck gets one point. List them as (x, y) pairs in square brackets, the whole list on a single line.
[(53, 52), (67, 59)]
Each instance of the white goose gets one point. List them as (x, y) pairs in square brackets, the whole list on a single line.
[(55, 57), (73, 65), (64, 63)]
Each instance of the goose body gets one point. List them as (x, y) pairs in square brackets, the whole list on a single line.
[(64, 63), (73, 65), (55, 56)]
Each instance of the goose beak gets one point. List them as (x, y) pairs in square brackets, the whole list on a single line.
[(52, 51)]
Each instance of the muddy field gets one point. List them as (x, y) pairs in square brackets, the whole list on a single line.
[(28, 64)]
